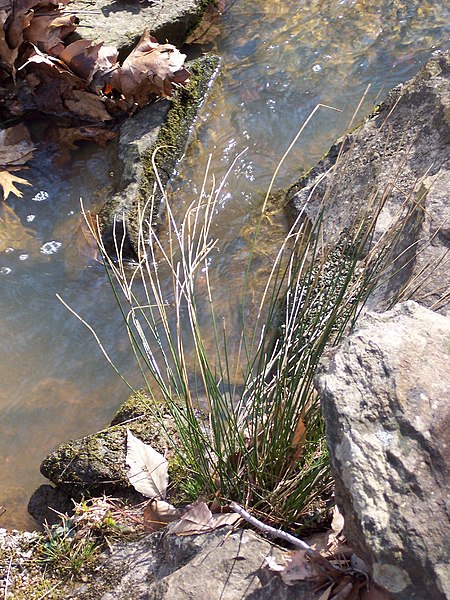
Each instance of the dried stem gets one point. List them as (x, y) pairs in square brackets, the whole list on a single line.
[(287, 537)]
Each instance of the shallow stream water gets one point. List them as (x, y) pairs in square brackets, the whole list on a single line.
[(279, 60)]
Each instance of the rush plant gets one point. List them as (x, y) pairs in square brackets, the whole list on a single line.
[(260, 443)]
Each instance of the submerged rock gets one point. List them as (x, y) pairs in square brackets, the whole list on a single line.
[(221, 565), (399, 153), (384, 396)]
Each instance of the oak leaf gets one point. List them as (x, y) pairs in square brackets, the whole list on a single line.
[(8, 181), (150, 70), (16, 147)]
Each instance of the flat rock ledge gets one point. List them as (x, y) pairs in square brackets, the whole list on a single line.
[(121, 23), (156, 136), (221, 565), (384, 396)]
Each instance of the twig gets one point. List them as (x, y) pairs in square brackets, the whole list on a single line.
[(7, 576), (50, 590), (287, 537)]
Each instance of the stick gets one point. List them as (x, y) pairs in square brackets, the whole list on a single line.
[(287, 537), (7, 576)]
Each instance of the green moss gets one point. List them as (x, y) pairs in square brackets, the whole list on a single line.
[(174, 133)]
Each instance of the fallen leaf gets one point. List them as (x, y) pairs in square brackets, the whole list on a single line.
[(147, 468), (160, 513), (208, 28), (337, 523), (13, 234), (16, 147), (87, 106), (199, 519), (150, 70), (298, 440), (85, 241), (48, 31), (82, 57), (8, 181)]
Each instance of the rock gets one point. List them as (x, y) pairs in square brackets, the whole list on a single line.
[(164, 126), (46, 502), (121, 23), (95, 464), (400, 152), (384, 395), (221, 565)]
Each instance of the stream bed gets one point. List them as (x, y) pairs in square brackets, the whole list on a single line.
[(277, 63)]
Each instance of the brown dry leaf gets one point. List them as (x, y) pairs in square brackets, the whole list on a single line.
[(16, 147), (20, 18), (337, 523), (87, 106), (299, 568), (69, 135), (160, 513), (85, 58), (48, 31), (298, 441), (149, 71), (199, 519), (8, 181), (85, 241), (66, 138), (13, 234), (51, 85)]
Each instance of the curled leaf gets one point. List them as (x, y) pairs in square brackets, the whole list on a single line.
[(150, 70), (160, 513)]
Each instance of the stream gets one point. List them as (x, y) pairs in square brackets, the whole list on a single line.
[(278, 63)]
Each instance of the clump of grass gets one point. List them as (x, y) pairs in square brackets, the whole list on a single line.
[(262, 445), (65, 553)]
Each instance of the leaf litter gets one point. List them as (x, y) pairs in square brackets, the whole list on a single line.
[(80, 85)]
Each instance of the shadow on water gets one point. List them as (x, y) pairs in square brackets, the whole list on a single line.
[(277, 64)]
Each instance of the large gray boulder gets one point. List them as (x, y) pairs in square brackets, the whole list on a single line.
[(385, 395), (400, 156), (221, 565)]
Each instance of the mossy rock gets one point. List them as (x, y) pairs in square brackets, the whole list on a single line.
[(156, 136), (95, 464)]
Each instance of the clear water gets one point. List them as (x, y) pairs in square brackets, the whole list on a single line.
[(279, 59)]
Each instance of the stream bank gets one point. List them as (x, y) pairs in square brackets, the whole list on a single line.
[(387, 438)]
